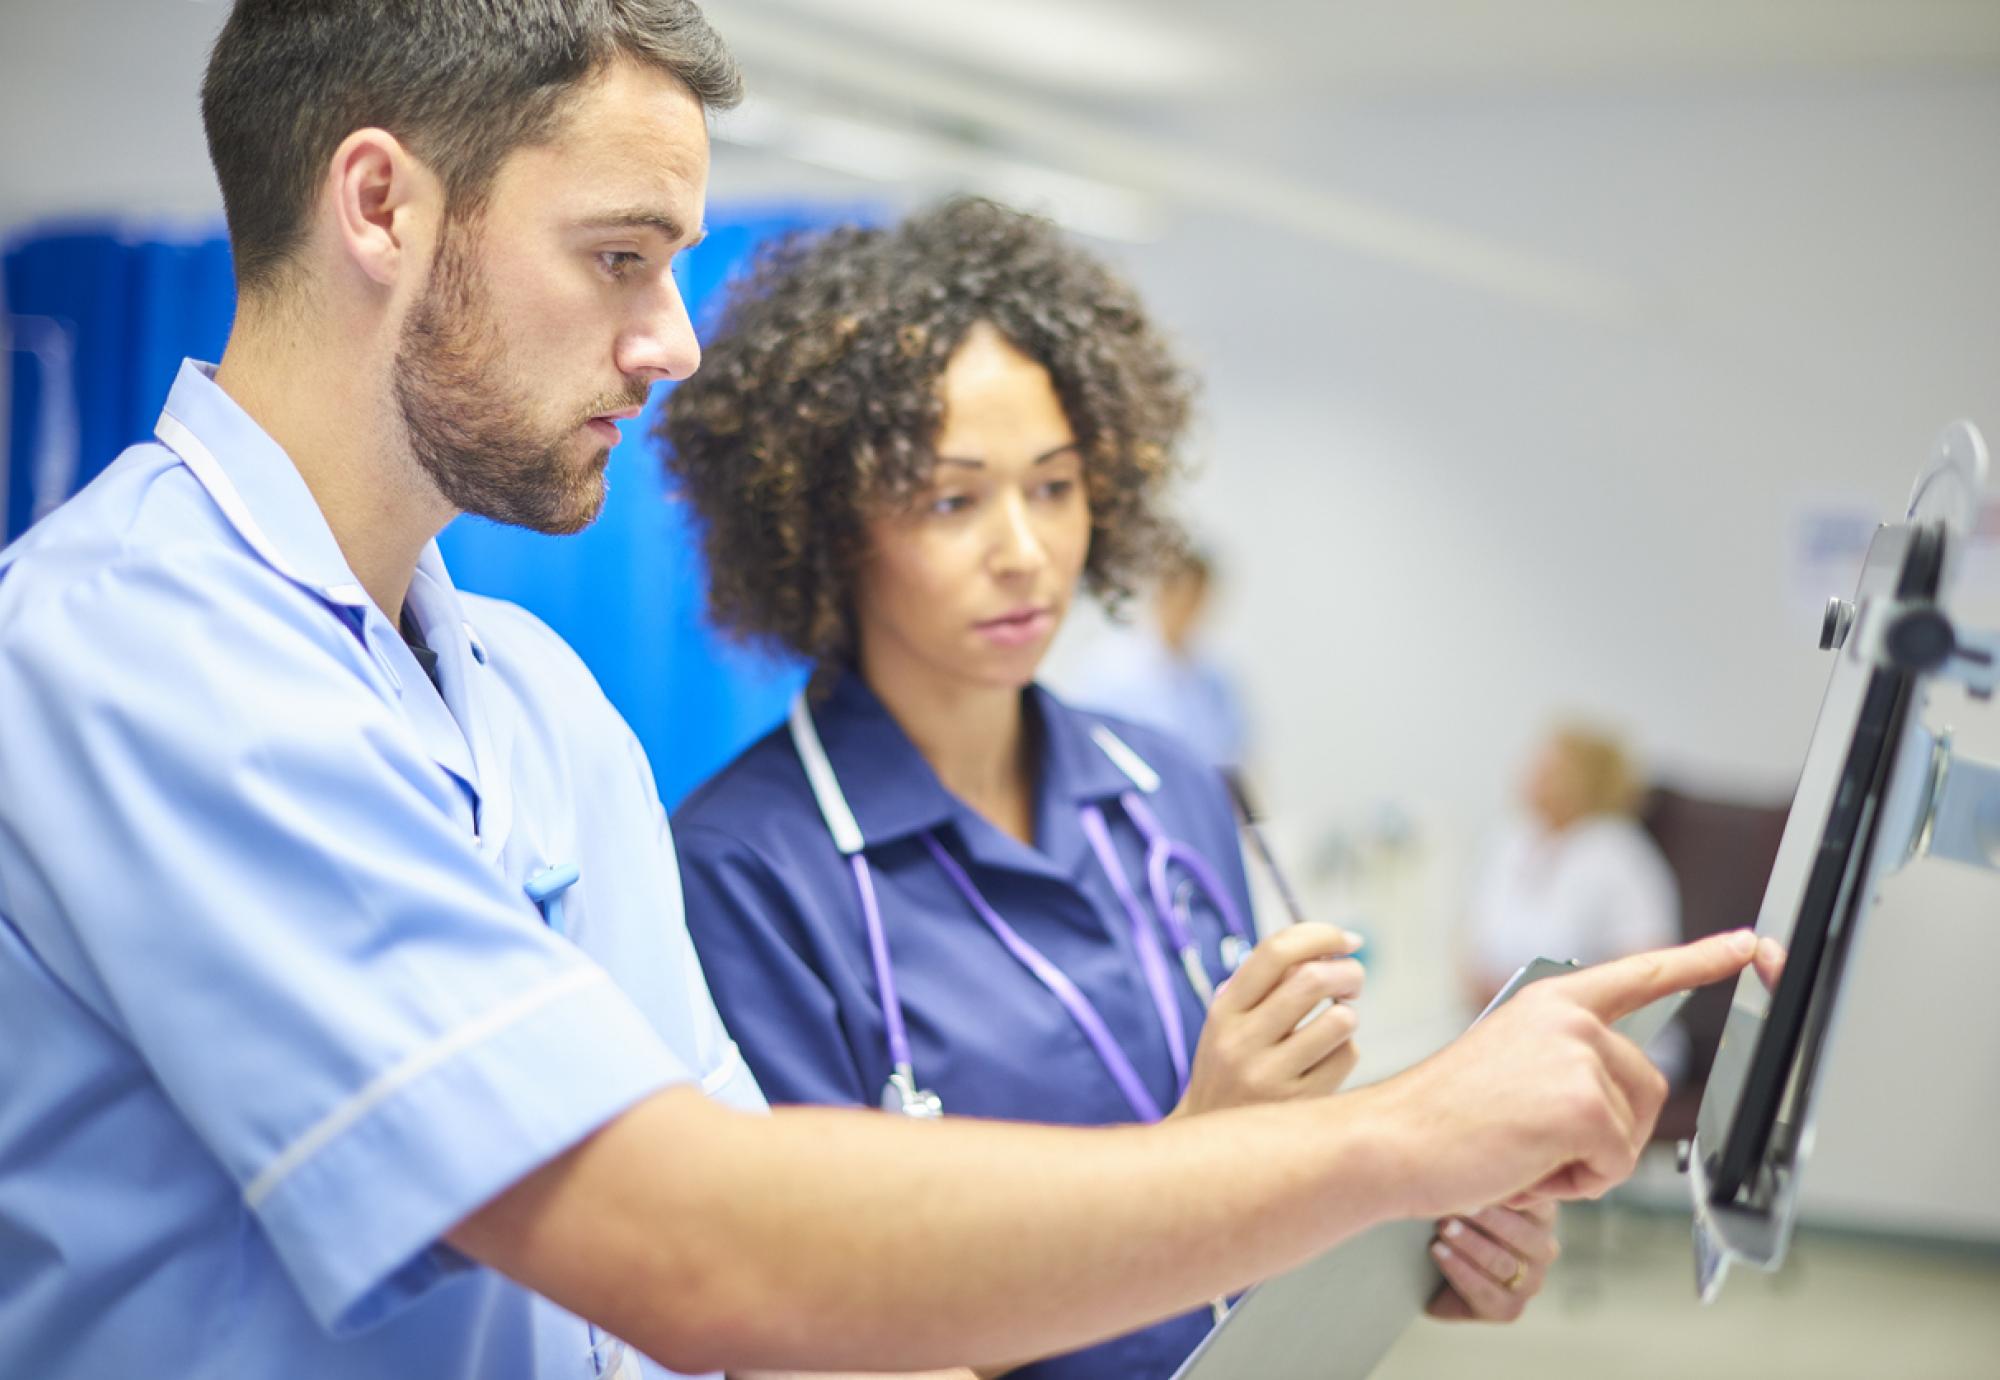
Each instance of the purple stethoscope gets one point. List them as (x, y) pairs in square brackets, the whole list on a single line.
[(1168, 919)]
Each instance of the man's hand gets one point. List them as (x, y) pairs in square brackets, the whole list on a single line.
[(1770, 961), (857, 1375), (1493, 1262), (1542, 1100), (1253, 1048)]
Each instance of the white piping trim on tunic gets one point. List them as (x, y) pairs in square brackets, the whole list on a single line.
[(833, 806), (1125, 759), (717, 1078), (386, 1085), (196, 455)]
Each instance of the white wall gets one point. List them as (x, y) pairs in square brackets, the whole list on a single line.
[(1445, 518), (99, 108)]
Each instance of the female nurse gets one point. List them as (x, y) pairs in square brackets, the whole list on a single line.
[(937, 886)]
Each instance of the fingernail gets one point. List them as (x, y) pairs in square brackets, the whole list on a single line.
[(1440, 1250), (1354, 941), (1743, 942), (1454, 1229)]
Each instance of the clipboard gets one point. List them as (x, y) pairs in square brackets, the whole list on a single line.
[(1337, 1316)]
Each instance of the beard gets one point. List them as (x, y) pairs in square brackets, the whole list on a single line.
[(471, 433)]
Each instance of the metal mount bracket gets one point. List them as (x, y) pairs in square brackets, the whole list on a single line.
[(1962, 820), (1919, 637)]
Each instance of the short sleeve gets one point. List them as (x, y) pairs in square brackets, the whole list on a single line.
[(755, 941), (220, 834)]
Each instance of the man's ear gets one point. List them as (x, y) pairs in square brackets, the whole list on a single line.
[(386, 205)]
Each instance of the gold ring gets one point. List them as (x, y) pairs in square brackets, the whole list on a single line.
[(1513, 1281)]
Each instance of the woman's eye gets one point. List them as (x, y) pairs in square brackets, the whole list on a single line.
[(945, 504), (1058, 488), (619, 263)]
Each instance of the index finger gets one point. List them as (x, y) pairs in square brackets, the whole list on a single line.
[(1616, 989), (1276, 956)]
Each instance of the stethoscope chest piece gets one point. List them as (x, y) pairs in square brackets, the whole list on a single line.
[(901, 1094)]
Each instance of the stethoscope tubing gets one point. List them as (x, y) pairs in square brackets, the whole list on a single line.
[(1081, 1009), (1148, 931)]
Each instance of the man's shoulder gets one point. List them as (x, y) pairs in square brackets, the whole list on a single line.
[(553, 690), (542, 669), (515, 639), (761, 795), (143, 547), (145, 504)]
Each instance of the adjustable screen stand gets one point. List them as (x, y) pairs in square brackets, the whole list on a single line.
[(1957, 815), (1925, 800)]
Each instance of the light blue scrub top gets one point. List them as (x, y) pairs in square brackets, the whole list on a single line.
[(275, 1011), (778, 923)]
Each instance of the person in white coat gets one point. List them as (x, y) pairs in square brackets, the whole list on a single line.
[(1574, 876)]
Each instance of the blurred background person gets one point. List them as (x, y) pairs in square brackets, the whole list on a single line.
[(1574, 876), (1161, 672)]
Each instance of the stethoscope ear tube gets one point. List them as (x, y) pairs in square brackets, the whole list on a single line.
[(900, 1093)]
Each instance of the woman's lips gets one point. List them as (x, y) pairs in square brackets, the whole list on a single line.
[(1018, 629)]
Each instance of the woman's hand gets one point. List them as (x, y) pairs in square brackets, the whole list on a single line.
[(1493, 1262), (1254, 1048)]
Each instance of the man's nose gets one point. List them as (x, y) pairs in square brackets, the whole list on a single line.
[(661, 344)]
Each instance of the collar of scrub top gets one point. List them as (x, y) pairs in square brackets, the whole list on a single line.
[(262, 495), (1129, 776), (894, 794)]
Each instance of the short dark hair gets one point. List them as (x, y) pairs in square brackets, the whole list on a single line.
[(817, 403), (462, 82)]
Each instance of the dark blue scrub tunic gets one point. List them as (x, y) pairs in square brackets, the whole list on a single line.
[(776, 919)]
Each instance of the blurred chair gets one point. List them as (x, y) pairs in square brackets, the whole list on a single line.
[(1721, 853)]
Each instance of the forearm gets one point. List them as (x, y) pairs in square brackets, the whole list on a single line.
[(815, 1239), (957, 1373)]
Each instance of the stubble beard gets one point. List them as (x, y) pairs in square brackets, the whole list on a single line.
[(470, 433)]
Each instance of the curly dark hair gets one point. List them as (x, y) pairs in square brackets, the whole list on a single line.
[(818, 405)]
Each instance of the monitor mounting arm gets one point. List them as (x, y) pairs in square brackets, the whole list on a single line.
[(1958, 818)]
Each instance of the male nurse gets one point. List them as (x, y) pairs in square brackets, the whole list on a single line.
[(348, 1022)]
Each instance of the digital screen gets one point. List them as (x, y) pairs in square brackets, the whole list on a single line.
[(1755, 1100)]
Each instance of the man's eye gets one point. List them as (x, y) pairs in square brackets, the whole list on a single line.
[(620, 263)]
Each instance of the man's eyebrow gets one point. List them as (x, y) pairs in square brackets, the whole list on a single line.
[(641, 219)]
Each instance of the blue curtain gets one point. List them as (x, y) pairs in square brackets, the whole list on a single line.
[(100, 318)]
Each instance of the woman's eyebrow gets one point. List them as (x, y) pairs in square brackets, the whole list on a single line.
[(970, 463)]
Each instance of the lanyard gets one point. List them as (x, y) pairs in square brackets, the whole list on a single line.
[(1065, 990), (1164, 921), (1145, 941)]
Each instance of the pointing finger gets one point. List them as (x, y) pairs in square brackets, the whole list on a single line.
[(1616, 989)]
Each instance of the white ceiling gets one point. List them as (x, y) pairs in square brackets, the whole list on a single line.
[(1117, 116)]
